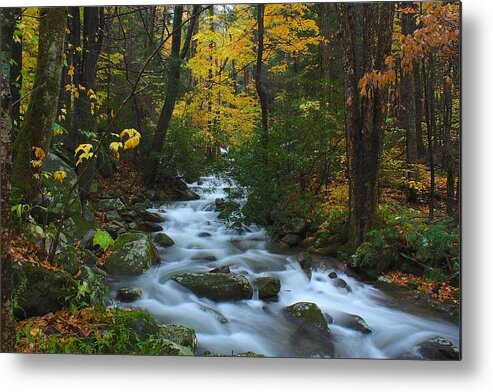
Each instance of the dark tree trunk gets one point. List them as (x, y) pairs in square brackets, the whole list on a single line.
[(259, 82), (75, 60), (428, 69), (364, 117), (7, 323), (447, 147), (418, 90), (407, 114), (87, 118), (37, 128), (174, 70), (16, 81)]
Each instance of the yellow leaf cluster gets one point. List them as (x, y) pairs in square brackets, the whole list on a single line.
[(60, 175), (86, 152), (133, 138), (40, 156)]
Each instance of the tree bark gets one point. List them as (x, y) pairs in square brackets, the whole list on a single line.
[(259, 83), (364, 117), (37, 128), (86, 119), (407, 114), (174, 70), (7, 323), (16, 80)]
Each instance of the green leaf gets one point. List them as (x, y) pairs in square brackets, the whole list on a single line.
[(103, 239)]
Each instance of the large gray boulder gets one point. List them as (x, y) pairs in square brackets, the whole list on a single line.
[(133, 254), (216, 286)]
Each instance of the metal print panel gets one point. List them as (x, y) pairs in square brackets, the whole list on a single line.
[(252, 180)]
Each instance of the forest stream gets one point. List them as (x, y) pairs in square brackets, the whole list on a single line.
[(203, 242)]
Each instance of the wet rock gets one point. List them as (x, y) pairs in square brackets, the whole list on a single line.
[(218, 316), (437, 348), (308, 314), (188, 194), (150, 227), (164, 240), (292, 239), (341, 283), (221, 270), (305, 261), (218, 286), (204, 234), (268, 287), (354, 322), (128, 294), (40, 291), (204, 258), (332, 275), (180, 335), (152, 217), (133, 253)]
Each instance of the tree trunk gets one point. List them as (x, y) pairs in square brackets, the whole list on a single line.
[(174, 70), (37, 128), (16, 80), (428, 70), (364, 117), (407, 114), (87, 118), (259, 83), (447, 144), (7, 323)]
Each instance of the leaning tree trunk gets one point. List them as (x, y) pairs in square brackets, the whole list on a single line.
[(364, 116), (174, 70), (7, 324), (37, 128)]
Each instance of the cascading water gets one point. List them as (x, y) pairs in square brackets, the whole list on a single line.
[(202, 242)]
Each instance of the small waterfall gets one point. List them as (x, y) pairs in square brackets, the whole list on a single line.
[(202, 243)]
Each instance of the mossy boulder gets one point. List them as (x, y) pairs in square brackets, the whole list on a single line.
[(133, 254), (38, 290), (105, 205), (216, 286), (292, 239), (163, 240), (437, 348), (179, 334), (268, 287), (128, 294), (309, 314)]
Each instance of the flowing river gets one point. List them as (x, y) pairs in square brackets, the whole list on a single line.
[(256, 325)]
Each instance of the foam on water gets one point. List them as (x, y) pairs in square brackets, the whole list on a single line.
[(255, 325)]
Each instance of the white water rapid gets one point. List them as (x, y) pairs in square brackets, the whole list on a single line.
[(256, 325)]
